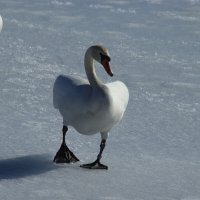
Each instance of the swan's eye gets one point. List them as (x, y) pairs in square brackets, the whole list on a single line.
[(103, 57)]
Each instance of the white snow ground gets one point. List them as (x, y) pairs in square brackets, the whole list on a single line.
[(154, 153)]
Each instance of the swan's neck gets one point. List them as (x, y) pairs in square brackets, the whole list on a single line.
[(90, 70)]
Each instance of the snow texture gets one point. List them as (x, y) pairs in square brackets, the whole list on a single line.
[(154, 153)]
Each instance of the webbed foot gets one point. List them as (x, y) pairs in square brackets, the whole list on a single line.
[(64, 155), (95, 165)]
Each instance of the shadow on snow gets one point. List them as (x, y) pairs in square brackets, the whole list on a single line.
[(24, 166)]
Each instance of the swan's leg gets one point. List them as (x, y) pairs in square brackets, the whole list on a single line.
[(64, 155), (96, 164)]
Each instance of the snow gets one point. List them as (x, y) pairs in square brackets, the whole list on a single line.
[(153, 154)]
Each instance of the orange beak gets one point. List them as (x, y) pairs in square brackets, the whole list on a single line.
[(107, 67)]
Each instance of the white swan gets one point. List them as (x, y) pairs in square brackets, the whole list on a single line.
[(90, 106), (1, 23)]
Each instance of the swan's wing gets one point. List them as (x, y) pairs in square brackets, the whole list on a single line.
[(69, 91), (71, 95)]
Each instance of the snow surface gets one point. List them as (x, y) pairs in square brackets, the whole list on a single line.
[(154, 153)]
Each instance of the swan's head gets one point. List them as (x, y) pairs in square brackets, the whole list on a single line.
[(101, 55)]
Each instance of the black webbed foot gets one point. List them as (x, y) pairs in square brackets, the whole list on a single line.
[(95, 165), (64, 155)]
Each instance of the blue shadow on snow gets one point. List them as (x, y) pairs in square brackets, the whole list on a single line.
[(24, 166)]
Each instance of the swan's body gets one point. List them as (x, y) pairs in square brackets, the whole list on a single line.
[(89, 109), (91, 106)]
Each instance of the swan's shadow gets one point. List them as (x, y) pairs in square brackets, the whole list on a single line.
[(24, 166)]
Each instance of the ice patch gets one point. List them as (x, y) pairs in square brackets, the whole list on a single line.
[(62, 3), (186, 108), (185, 85), (112, 9), (154, 1), (193, 2), (26, 24), (100, 6), (191, 198), (136, 25), (122, 10), (173, 15), (68, 19), (118, 2)]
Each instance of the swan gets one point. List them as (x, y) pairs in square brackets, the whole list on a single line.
[(1, 23), (89, 106)]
